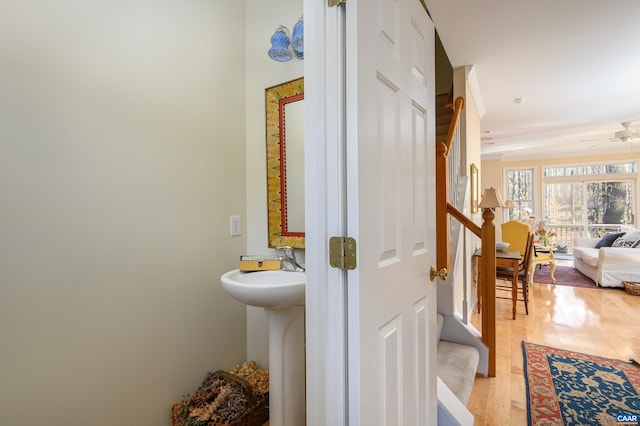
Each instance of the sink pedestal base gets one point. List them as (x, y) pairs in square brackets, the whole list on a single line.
[(281, 294), (286, 366)]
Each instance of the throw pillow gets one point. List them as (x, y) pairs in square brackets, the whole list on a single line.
[(632, 235), (621, 242), (636, 244), (608, 239)]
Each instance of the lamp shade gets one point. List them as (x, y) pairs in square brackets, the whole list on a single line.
[(491, 199), (509, 204)]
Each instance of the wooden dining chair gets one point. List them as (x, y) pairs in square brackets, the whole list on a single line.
[(524, 270)]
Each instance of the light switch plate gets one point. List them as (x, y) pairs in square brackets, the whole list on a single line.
[(235, 225)]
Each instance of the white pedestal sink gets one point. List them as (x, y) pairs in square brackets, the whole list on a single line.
[(282, 295)]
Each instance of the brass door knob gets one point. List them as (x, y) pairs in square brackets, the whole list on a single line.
[(442, 274)]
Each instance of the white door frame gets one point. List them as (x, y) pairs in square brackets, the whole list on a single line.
[(324, 178)]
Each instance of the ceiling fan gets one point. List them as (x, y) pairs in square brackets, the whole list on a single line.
[(628, 134)]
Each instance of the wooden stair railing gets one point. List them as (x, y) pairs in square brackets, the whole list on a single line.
[(487, 234)]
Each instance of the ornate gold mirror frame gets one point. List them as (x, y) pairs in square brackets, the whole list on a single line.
[(276, 99)]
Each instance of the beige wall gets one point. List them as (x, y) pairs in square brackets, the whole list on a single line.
[(262, 72), (122, 155), (491, 176), (470, 122)]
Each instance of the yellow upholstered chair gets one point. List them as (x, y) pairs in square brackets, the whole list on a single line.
[(516, 233)]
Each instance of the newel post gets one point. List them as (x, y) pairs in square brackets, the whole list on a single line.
[(442, 217), (488, 279)]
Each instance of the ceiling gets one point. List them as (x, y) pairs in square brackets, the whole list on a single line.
[(576, 62)]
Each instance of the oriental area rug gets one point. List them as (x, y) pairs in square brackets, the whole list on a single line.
[(564, 275), (571, 388)]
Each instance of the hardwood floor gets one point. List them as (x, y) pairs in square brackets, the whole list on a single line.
[(604, 322)]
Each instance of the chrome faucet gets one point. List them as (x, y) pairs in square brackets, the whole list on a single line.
[(288, 260)]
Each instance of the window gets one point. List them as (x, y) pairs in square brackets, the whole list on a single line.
[(519, 188), (564, 203), (590, 170), (610, 202), (589, 199)]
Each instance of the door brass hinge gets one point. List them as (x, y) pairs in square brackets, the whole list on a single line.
[(336, 2), (342, 252)]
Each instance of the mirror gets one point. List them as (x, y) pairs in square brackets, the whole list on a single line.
[(285, 163)]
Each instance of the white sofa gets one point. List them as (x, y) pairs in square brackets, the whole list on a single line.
[(607, 266)]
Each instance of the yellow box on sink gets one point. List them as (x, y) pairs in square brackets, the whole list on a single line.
[(252, 263)]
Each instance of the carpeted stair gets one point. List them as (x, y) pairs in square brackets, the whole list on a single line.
[(457, 365)]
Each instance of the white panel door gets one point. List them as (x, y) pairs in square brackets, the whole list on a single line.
[(390, 212)]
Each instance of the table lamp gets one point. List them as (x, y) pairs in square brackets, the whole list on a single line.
[(491, 199)]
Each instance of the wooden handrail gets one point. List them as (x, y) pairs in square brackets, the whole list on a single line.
[(465, 221), (457, 109)]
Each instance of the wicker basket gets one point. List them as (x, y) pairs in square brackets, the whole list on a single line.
[(632, 287), (256, 415)]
